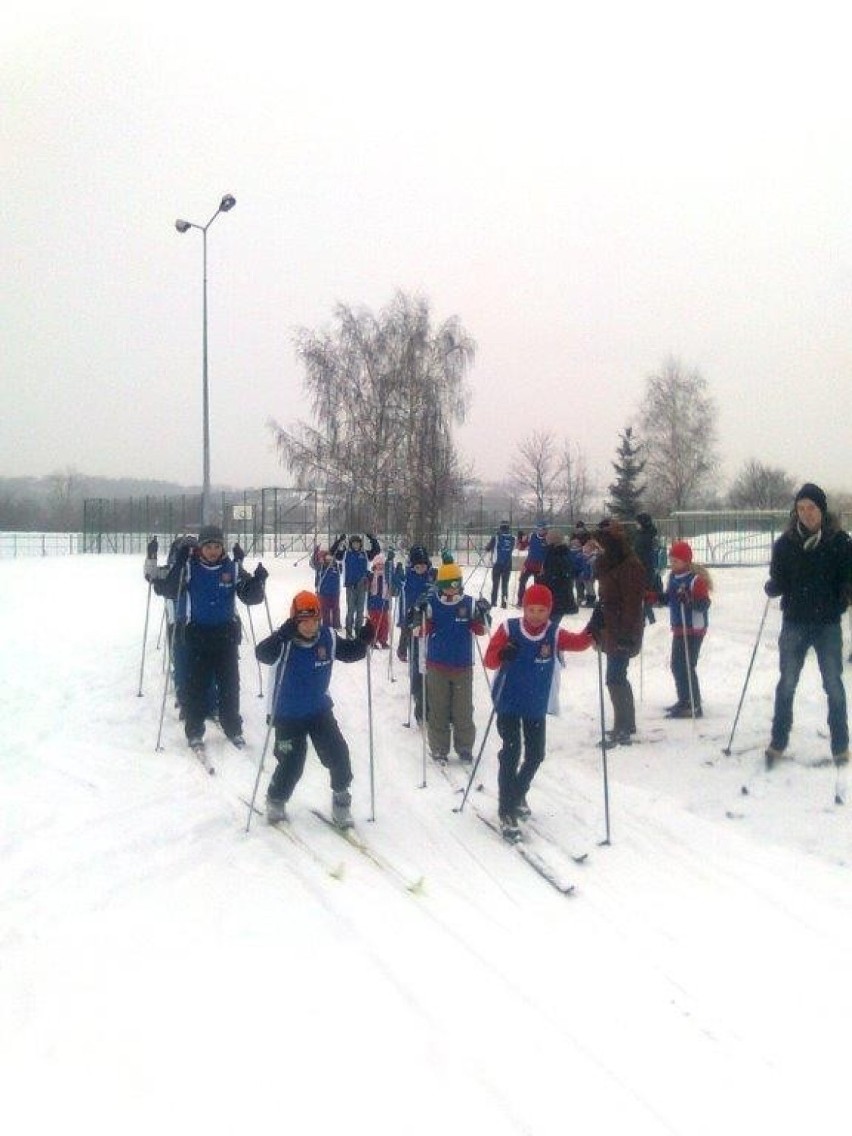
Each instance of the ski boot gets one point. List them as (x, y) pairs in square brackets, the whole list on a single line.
[(341, 799)]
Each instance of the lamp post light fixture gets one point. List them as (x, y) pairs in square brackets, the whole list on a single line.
[(225, 205)]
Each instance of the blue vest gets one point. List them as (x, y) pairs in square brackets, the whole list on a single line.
[(303, 689), (210, 591), (504, 544), (451, 641), (526, 681)]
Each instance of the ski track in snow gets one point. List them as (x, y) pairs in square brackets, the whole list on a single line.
[(159, 964)]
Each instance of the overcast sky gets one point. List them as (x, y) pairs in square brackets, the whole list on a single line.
[(590, 187)]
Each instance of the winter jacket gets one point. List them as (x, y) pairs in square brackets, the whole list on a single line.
[(502, 546), (451, 627), (209, 591), (688, 597), (525, 685), (557, 573), (302, 689), (814, 584), (621, 593)]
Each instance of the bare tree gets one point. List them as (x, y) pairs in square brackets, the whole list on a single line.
[(535, 471), (385, 392), (678, 426), (759, 486), (575, 484)]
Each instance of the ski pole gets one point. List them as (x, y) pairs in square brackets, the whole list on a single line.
[(144, 641), (256, 659), (278, 680), (160, 631), (606, 839), (727, 750), (370, 734), (688, 662), (167, 678), (422, 667), (497, 691)]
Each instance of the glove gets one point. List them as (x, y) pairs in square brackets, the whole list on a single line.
[(238, 553), (483, 607), (261, 574), (771, 588), (183, 554), (623, 646), (508, 652), (683, 597), (596, 623), (367, 633), (286, 631), (421, 604), (153, 548)]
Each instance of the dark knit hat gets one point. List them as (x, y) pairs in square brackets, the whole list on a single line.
[(811, 492), (211, 534), (418, 555)]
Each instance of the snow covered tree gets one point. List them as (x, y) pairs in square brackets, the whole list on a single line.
[(626, 491), (385, 392), (759, 486), (678, 426)]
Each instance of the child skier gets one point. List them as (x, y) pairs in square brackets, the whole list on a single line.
[(204, 583), (303, 654), (409, 584), (356, 564), (688, 594), (327, 585), (501, 546), (449, 621), (526, 651), (535, 549), (378, 601)]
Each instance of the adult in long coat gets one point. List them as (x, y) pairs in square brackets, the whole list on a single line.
[(618, 622)]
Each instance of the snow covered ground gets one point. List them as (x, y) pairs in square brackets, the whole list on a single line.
[(163, 971)]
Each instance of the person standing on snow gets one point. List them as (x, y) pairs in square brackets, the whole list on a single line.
[(448, 621), (536, 547), (688, 594), (557, 574), (327, 584), (210, 582), (811, 572), (356, 565), (618, 622), (646, 545), (527, 651), (501, 546), (303, 654)]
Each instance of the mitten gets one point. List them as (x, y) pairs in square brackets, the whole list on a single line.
[(238, 553), (367, 633), (508, 651), (261, 574)]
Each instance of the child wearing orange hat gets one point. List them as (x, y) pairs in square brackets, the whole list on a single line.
[(526, 651), (303, 652)]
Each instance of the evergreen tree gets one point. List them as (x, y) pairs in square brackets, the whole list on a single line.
[(626, 491)]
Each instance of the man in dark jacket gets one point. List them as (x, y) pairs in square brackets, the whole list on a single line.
[(811, 570)]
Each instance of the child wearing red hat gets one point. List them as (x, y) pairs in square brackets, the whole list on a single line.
[(525, 692), (303, 652), (688, 595)]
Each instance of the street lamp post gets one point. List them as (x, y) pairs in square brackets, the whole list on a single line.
[(225, 205)]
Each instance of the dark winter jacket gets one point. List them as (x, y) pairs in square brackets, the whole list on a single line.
[(301, 691), (557, 573), (621, 592), (814, 584), (209, 591)]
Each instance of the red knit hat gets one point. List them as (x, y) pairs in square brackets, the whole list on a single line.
[(538, 596), (305, 605), (680, 550)]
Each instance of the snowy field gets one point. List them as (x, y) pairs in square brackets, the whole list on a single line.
[(162, 971)]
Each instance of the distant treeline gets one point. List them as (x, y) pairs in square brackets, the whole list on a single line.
[(55, 503)]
